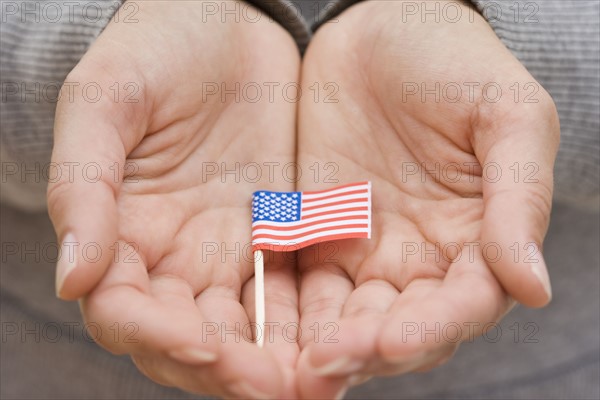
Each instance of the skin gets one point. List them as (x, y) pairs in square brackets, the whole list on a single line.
[(368, 289), (166, 283), (372, 289)]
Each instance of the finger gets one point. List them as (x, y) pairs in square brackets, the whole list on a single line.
[(134, 315), (353, 348), (215, 379), (157, 320), (324, 288), (356, 355), (243, 369), (427, 319), (379, 367), (517, 152), (312, 386), (88, 157), (443, 356), (323, 292), (184, 368), (282, 329)]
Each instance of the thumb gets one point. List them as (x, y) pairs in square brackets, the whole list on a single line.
[(518, 152), (88, 160)]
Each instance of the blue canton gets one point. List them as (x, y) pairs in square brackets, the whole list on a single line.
[(276, 206)]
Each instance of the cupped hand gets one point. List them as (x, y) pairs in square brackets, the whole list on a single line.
[(459, 142), (169, 277)]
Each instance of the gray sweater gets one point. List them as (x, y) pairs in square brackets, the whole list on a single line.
[(557, 40)]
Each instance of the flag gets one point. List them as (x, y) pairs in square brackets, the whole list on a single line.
[(287, 221)]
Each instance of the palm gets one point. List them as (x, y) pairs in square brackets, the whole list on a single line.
[(182, 264), (424, 264)]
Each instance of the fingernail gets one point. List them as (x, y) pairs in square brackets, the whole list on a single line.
[(192, 355), (341, 366), (245, 390), (539, 269), (442, 361), (510, 305), (358, 379), (415, 359), (341, 393), (67, 261)]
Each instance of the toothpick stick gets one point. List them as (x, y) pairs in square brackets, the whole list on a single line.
[(259, 296)]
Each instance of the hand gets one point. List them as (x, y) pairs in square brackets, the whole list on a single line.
[(154, 278), (381, 290)]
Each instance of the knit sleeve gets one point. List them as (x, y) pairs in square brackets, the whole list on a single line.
[(558, 41), (40, 43), (289, 14)]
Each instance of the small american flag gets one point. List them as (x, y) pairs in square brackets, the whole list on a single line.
[(287, 221)]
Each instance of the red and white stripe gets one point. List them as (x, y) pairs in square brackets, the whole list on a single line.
[(340, 213)]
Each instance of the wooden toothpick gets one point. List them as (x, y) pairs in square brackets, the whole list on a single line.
[(259, 296)]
